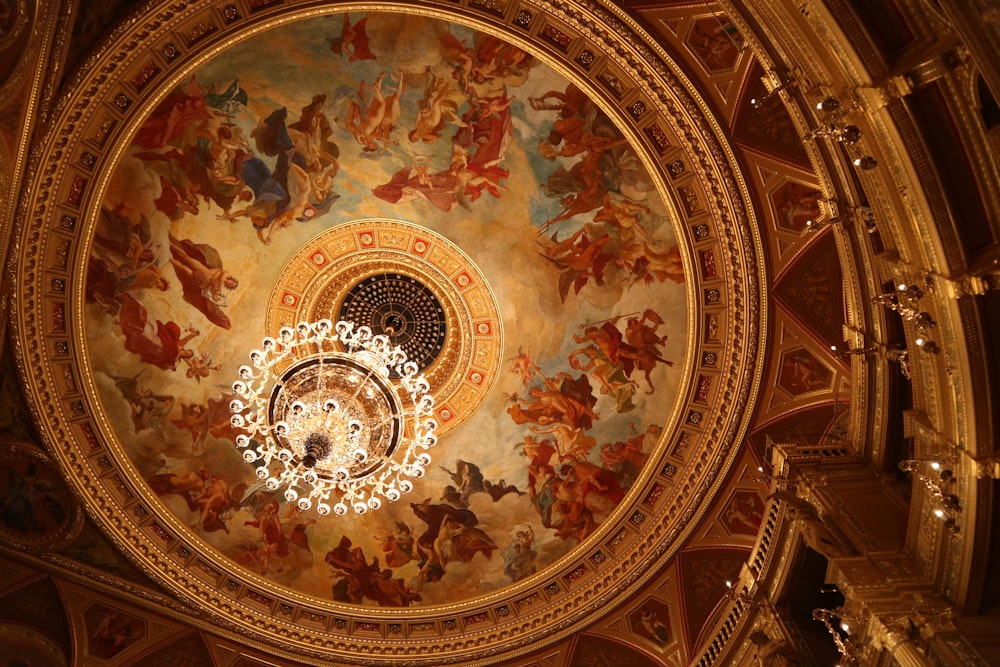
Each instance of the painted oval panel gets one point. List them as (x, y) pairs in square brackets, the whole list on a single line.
[(224, 206)]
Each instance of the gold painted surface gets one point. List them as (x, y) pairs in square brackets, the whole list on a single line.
[(88, 447), (315, 281)]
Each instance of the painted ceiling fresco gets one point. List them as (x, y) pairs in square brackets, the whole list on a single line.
[(342, 118)]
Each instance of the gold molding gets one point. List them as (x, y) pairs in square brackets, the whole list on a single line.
[(669, 125)]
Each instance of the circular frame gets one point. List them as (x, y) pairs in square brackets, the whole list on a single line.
[(101, 105)]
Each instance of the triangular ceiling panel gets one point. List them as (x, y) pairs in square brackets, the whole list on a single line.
[(784, 246), (672, 23), (703, 573), (766, 174), (39, 605), (813, 290), (768, 128), (786, 334), (712, 532), (550, 660), (750, 474), (13, 574), (591, 650), (813, 425), (724, 87), (775, 401), (187, 650), (617, 625)]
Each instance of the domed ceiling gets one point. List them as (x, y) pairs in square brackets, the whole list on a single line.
[(575, 265)]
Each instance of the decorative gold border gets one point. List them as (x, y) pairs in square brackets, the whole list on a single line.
[(671, 129), (17, 26), (30, 641), (315, 281), (72, 522)]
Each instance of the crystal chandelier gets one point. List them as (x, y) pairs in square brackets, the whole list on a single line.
[(336, 416)]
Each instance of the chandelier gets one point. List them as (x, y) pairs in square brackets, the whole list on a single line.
[(336, 416)]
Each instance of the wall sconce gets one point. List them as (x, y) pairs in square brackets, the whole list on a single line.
[(758, 103), (813, 226), (862, 213), (828, 105), (865, 163), (864, 352), (840, 625), (747, 599), (832, 126), (940, 482), (846, 134), (910, 293), (901, 356), (906, 301), (763, 476), (868, 218), (842, 214)]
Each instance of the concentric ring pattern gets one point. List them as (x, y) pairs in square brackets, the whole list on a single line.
[(542, 276)]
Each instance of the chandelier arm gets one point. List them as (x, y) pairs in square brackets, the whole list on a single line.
[(360, 475)]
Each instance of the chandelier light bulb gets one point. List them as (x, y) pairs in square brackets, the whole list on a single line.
[(332, 412)]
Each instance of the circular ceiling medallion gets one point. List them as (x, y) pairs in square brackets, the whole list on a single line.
[(401, 308), (39, 512), (410, 284), (630, 338)]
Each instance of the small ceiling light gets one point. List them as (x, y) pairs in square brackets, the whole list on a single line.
[(868, 217), (866, 162), (829, 105), (849, 134), (335, 416)]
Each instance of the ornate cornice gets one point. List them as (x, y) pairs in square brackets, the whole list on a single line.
[(697, 172)]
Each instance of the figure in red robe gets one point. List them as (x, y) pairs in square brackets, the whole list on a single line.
[(157, 343)]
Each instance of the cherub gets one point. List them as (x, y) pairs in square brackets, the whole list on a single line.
[(373, 125), (523, 366)]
